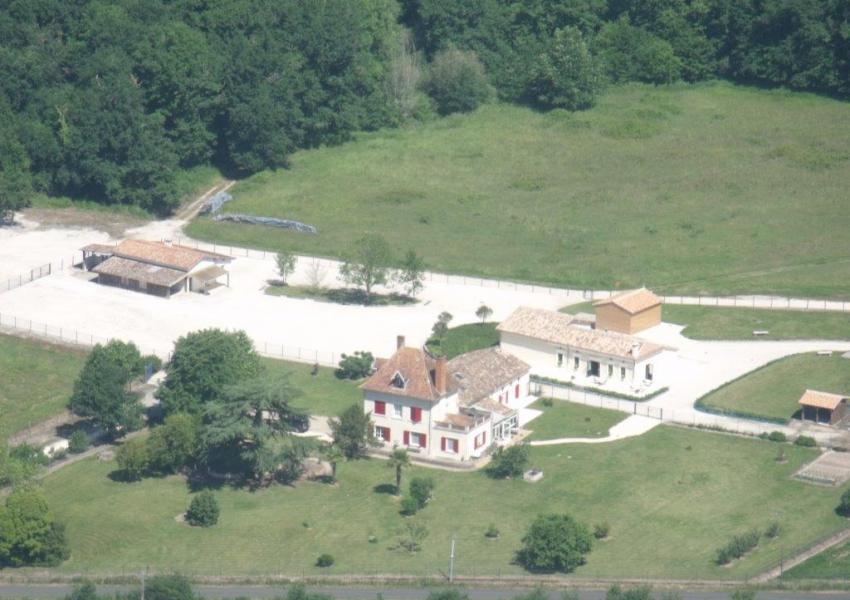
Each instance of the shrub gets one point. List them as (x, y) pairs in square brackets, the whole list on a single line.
[(132, 459), (491, 532), (805, 441), (173, 444), (843, 508), (203, 510), (421, 489), (355, 366), (773, 530), (409, 506), (615, 592), (169, 587), (78, 442), (324, 560), (601, 530), (777, 436), (554, 543), (547, 402), (737, 547), (508, 462), (456, 81), (567, 75)]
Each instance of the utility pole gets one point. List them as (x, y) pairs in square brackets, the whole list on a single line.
[(142, 596), (451, 564)]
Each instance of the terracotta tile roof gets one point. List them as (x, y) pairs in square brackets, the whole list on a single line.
[(417, 372), (491, 405), (632, 301), (821, 399), (173, 256), (139, 271), (481, 372), (557, 328), (457, 420)]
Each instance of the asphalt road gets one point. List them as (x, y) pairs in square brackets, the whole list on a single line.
[(48, 591)]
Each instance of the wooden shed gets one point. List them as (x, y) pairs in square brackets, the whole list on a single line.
[(628, 312), (823, 407)]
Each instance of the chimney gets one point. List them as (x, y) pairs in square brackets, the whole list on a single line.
[(440, 374), (635, 349), (399, 342)]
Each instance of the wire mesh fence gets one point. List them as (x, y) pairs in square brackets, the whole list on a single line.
[(763, 302)]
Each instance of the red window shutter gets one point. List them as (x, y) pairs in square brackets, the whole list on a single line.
[(415, 414), (380, 407), (424, 439), (406, 438), (443, 444), (386, 433), (516, 391)]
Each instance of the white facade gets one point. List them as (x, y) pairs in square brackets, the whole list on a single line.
[(586, 367), (427, 429)]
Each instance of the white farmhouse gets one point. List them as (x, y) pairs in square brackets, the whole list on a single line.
[(558, 346), (446, 409)]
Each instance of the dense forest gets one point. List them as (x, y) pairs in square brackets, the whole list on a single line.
[(109, 100)]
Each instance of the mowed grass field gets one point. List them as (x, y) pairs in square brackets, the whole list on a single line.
[(712, 323), (465, 338), (322, 393), (686, 189), (773, 390), (565, 419), (36, 381), (832, 564), (676, 494)]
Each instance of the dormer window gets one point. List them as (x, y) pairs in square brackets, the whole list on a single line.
[(398, 381)]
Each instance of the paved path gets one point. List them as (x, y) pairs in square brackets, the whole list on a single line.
[(629, 427)]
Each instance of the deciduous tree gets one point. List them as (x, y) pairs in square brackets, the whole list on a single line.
[(353, 431), (368, 265), (554, 543)]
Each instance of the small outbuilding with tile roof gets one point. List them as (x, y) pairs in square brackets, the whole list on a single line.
[(823, 407), (628, 312)]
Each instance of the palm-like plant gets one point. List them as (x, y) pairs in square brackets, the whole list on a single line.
[(333, 454), (399, 460)]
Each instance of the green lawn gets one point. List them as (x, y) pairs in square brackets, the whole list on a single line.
[(671, 496), (323, 393), (712, 323), (832, 564), (565, 419), (687, 189), (773, 390), (36, 381), (466, 338)]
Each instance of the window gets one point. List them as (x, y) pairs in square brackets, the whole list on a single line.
[(610, 370), (398, 411), (480, 439), (622, 373), (380, 407), (560, 358), (576, 363), (516, 391), (415, 414), (649, 372), (450, 445), (414, 440), (382, 433), (398, 381)]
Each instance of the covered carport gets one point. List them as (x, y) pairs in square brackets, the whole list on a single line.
[(207, 279)]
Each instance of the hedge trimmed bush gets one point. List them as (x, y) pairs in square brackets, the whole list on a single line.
[(805, 441), (843, 508), (203, 511), (777, 436), (325, 560)]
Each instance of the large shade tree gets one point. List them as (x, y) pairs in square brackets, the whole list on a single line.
[(203, 364), (245, 426)]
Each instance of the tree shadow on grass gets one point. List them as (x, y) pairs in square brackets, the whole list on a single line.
[(384, 488)]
